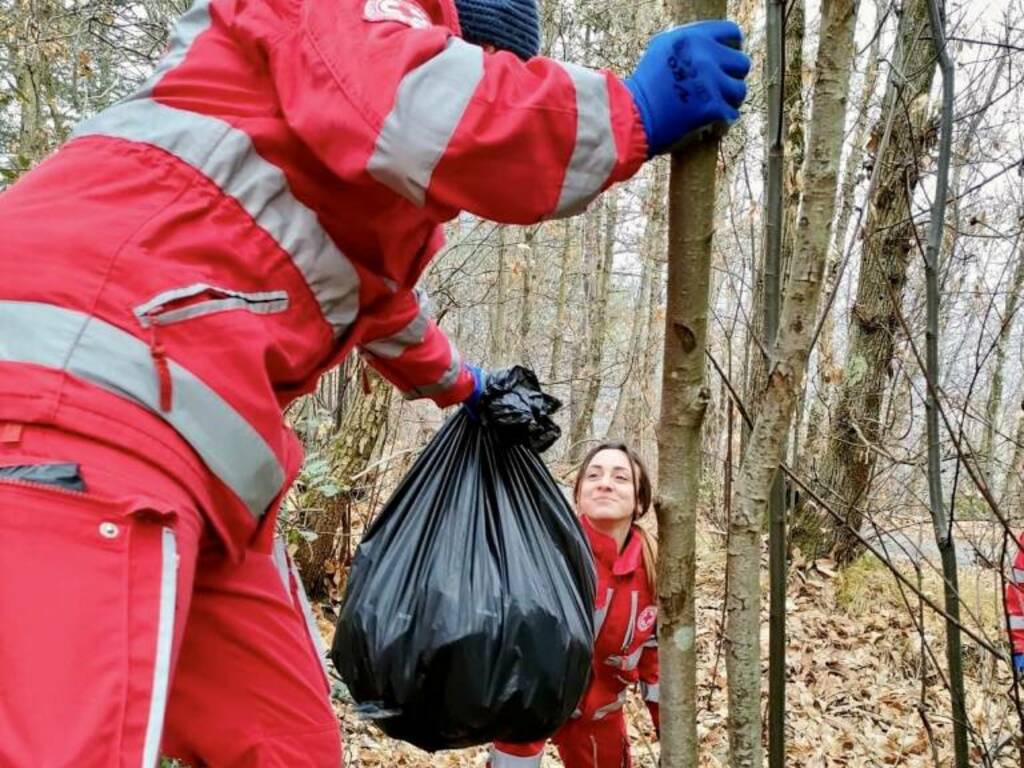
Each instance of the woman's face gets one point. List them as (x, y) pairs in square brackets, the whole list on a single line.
[(606, 492)]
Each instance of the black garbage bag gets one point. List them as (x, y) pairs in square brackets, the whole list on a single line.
[(469, 610)]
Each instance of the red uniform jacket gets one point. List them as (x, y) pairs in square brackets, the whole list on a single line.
[(199, 253), (626, 649), (1015, 599)]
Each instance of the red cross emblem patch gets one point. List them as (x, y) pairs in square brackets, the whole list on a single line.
[(647, 618)]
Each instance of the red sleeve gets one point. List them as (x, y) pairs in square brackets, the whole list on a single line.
[(404, 344), (439, 121), (1015, 600)]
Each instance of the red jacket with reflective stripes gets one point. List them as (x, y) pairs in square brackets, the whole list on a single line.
[(199, 253), (1015, 599), (626, 648)]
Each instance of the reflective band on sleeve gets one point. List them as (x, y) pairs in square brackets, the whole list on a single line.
[(447, 380), (593, 157), (501, 759), (429, 105), (649, 692), (1017, 622), (227, 157), (164, 643), (1018, 576), (390, 347), (113, 359)]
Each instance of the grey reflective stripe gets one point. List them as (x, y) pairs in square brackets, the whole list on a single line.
[(602, 613), (501, 759), (612, 707), (634, 606), (649, 691), (429, 105), (113, 359), (280, 555), (1018, 576), (260, 303), (594, 155), (393, 346), (164, 643), (226, 156), (447, 380), (307, 613), (1017, 622)]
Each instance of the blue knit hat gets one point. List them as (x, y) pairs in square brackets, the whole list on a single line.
[(511, 25)]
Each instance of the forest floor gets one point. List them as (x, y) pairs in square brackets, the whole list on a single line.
[(858, 693)]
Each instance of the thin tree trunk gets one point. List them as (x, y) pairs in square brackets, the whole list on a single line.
[(583, 417), (684, 401), (526, 305), (558, 337), (627, 404), (941, 520), (846, 467), (994, 402), (777, 257), (789, 360), (499, 351), (819, 418)]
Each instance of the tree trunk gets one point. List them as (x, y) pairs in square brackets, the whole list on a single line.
[(789, 360), (846, 468), (558, 336), (583, 416), (819, 418), (628, 403), (499, 352), (684, 400), (526, 304), (994, 402), (364, 420)]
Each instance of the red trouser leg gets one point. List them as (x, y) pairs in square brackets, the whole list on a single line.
[(250, 689), (94, 587), (594, 743)]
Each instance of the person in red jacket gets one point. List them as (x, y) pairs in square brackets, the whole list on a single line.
[(189, 263), (1014, 594), (612, 492)]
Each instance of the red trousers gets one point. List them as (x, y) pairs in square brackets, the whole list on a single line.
[(127, 635), (581, 744)]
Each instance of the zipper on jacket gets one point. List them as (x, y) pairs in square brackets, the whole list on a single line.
[(163, 369), (199, 299), (43, 486)]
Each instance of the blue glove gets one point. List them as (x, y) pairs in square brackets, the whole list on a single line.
[(479, 382), (689, 83), (1018, 664)]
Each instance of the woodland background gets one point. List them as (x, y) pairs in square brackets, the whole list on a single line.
[(586, 302)]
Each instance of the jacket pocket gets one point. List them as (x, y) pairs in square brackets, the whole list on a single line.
[(199, 299)]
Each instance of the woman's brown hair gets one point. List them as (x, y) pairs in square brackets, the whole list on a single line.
[(642, 496)]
